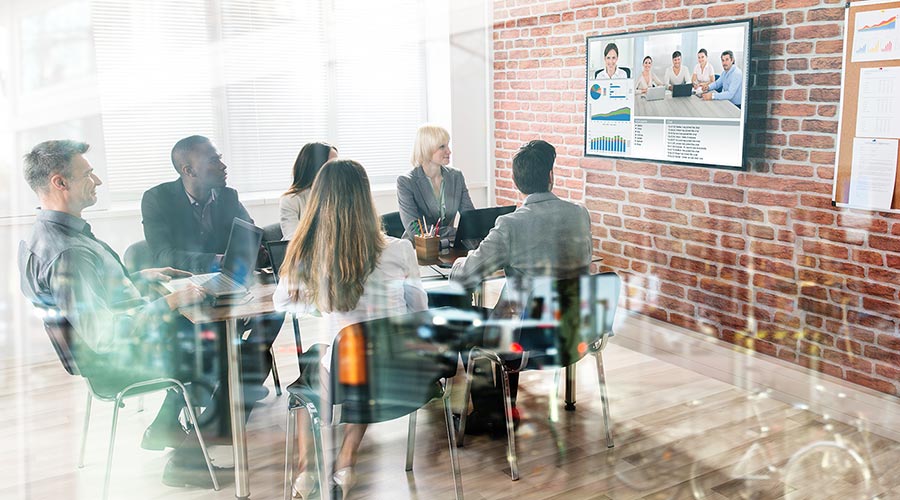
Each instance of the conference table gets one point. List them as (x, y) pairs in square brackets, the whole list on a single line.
[(684, 107)]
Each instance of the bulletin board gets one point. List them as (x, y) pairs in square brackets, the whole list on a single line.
[(867, 167)]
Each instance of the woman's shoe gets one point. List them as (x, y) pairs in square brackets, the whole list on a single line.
[(344, 479), (304, 484)]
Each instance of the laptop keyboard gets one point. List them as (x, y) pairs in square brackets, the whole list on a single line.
[(218, 284)]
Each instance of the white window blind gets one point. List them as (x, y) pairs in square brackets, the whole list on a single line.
[(258, 77), (276, 88), (380, 97), (155, 75)]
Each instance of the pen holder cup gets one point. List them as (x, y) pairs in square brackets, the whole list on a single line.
[(427, 247)]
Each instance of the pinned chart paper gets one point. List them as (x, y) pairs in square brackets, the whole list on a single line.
[(876, 36), (878, 108), (873, 173)]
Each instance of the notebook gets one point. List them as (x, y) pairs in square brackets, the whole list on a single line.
[(238, 263), (474, 225), (683, 90), (656, 93)]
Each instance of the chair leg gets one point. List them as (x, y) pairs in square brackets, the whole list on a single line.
[(604, 399), (290, 431), (461, 434), (323, 466), (275, 377), (84, 431), (510, 430), (112, 446), (411, 441), (189, 407), (451, 439)]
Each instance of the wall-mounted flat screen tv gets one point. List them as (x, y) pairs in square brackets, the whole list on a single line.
[(677, 95)]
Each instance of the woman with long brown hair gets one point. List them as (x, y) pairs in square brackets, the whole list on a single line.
[(311, 158), (341, 264)]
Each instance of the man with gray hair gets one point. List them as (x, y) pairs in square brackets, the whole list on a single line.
[(119, 336)]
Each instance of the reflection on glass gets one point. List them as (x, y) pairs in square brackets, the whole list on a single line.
[(56, 45)]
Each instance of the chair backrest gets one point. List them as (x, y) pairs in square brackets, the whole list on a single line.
[(386, 368), (392, 225), (138, 256), (60, 332), (272, 232), (277, 250), (561, 320), (627, 71)]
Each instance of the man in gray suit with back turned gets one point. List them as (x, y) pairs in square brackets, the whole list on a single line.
[(546, 236)]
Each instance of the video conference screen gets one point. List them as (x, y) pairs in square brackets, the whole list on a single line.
[(676, 95)]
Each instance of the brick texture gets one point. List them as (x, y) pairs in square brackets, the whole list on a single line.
[(757, 258)]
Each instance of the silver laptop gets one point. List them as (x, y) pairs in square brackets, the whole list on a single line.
[(656, 93), (238, 263)]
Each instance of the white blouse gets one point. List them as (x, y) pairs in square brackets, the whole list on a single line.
[(704, 75), (393, 288), (290, 208)]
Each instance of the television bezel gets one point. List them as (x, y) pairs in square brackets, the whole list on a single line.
[(744, 167)]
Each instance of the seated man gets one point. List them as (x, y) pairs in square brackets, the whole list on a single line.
[(546, 236), (187, 223), (119, 336), (729, 86)]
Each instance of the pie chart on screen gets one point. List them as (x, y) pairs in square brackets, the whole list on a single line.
[(595, 91)]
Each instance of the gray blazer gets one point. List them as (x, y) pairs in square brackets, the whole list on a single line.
[(546, 236), (416, 198)]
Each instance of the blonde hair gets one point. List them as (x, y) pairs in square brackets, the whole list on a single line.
[(428, 139), (338, 242)]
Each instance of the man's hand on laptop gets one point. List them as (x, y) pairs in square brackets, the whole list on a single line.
[(162, 274), (187, 296)]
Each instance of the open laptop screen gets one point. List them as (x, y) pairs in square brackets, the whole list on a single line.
[(243, 247), (474, 225)]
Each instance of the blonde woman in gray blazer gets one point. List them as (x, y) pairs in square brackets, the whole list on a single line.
[(432, 189)]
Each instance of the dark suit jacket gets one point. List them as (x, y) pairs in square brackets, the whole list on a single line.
[(175, 238), (416, 198)]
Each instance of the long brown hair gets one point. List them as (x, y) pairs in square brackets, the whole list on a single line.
[(338, 242), (310, 159)]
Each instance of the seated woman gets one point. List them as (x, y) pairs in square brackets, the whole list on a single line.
[(311, 158), (676, 74), (647, 79), (432, 193), (611, 60), (703, 71), (373, 276)]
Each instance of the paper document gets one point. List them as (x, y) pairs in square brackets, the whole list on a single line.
[(878, 108), (873, 173), (875, 36)]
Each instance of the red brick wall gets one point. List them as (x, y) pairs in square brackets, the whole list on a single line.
[(757, 258)]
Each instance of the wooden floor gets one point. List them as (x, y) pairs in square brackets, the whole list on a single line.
[(679, 435)]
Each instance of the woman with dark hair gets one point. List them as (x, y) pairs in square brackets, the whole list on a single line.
[(311, 158), (611, 58), (703, 71), (341, 264), (647, 79)]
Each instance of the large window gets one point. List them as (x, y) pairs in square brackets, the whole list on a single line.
[(259, 77)]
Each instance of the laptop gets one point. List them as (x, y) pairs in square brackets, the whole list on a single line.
[(683, 90), (238, 263), (474, 225), (656, 93)]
